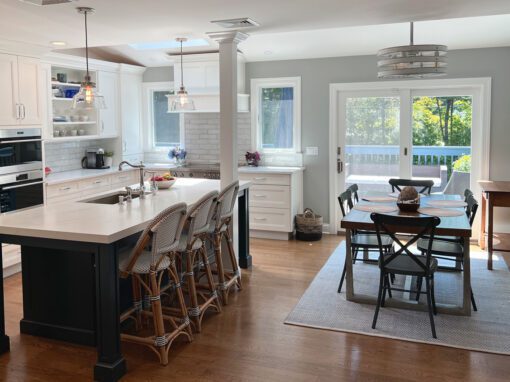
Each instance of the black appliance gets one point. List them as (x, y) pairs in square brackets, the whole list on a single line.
[(94, 159)]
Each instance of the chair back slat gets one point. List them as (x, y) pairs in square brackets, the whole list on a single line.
[(200, 215), (423, 186), (354, 192), (471, 208), (389, 225), (226, 202), (345, 201)]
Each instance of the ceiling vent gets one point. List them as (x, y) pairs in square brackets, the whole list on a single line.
[(244, 22), (47, 2)]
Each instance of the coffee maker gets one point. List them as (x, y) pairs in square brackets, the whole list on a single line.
[(94, 158)]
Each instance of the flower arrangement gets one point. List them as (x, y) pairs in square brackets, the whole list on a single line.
[(252, 159), (178, 154)]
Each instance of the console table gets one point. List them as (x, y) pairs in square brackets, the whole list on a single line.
[(494, 194)]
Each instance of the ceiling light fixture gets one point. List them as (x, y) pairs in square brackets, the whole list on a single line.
[(412, 61), (182, 101), (88, 97)]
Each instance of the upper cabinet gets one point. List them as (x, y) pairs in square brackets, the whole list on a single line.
[(20, 91), (131, 106), (108, 86)]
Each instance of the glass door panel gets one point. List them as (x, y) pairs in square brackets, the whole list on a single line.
[(372, 141), (441, 131)]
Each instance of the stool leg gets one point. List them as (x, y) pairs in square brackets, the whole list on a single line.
[(210, 280), (157, 314), (194, 311), (222, 285), (137, 300), (174, 275), (233, 261)]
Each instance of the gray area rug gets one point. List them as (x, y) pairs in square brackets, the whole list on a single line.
[(487, 330)]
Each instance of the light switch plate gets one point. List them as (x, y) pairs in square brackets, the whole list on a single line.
[(312, 151)]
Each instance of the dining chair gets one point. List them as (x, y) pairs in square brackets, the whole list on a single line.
[(362, 240), (451, 248), (194, 258), (403, 261), (152, 257), (424, 186), (219, 232), (354, 192)]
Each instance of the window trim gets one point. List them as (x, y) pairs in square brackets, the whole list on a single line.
[(256, 85), (148, 89)]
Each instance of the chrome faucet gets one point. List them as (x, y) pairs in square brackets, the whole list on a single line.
[(140, 166)]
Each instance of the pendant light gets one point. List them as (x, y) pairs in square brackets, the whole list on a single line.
[(412, 61), (88, 97), (182, 101)]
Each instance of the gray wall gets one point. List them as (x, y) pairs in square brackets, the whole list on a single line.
[(317, 74), (159, 74)]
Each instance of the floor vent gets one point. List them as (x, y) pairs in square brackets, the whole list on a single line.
[(244, 22)]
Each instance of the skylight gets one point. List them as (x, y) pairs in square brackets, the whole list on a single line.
[(169, 44)]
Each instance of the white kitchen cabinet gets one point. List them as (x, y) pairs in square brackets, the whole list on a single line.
[(20, 91), (108, 86), (276, 196), (131, 114)]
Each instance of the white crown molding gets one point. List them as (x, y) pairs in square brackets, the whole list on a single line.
[(228, 37), (79, 63), (23, 49)]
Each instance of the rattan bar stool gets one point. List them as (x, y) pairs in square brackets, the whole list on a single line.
[(194, 257), (152, 257), (219, 231)]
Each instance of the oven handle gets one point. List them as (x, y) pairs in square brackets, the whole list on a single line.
[(23, 185), (21, 141)]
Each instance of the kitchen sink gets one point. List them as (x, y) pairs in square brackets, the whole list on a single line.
[(111, 199)]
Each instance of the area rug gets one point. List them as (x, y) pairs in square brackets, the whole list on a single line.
[(487, 330)]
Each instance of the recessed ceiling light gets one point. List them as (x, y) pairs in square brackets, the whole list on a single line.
[(58, 43)]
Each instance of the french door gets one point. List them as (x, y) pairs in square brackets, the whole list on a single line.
[(432, 129)]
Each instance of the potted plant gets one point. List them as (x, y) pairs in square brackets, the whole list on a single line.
[(108, 158), (178, 155), (252, 159)]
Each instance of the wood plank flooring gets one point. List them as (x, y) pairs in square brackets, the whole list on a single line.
[(249, 342)]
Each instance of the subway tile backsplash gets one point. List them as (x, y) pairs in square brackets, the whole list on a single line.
[(67, 156)]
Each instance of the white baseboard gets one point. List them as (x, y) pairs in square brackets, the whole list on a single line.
[(12, 270), (259, 234), (325, 229)]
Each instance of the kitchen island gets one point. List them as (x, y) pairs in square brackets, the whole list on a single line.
[(71, 288)]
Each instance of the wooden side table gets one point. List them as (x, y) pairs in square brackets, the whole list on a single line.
[(495, 194)]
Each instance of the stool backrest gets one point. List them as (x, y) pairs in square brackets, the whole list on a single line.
[(163, 233), (226, 202), (471, 208), (200, 215), (345, 201), (424, 186), (389, 225), (354, 192)]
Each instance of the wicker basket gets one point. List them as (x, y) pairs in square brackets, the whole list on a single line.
[(308, 226)]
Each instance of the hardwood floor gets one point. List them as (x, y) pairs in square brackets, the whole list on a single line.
[(249, 342)]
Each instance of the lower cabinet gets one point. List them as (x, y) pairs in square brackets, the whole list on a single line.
[(275, 198)]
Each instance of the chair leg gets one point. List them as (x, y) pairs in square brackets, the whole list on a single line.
[(419, 283), (233, 261), (388, 286), (222, 285), (379, 300), (194, 310), (475, 308), (174, 275), (342, 278), (137, 300), (433, 294), (210, 279), (429, 304), (157, 315)]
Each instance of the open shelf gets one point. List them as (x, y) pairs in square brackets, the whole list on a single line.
[(62, 99), (74, 123), (68, 84), (80, 138)]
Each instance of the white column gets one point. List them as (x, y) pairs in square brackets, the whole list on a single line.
[(228, 103)]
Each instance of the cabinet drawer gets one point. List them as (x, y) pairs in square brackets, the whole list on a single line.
[(275, 179), (270, 196), (124, 178), (94, 183), (62, 189), (270, 219)]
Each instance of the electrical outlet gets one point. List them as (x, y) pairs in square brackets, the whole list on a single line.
[(312, 151)]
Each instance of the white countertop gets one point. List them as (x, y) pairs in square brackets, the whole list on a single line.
[(69, 176), (269, 170), (102, 223)]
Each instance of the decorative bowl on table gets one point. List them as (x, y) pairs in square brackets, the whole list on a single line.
[(164, 182), (408, 200)]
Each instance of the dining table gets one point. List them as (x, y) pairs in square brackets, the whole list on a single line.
[(458, 226)]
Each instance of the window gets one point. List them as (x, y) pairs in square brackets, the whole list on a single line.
[(165, 129), (276, 107)]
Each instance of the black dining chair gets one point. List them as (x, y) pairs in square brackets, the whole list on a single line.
[(361, 240), (404, 262), (354, 192), (452, 248), (423, 186)]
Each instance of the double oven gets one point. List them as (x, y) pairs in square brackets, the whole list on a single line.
[(21, 169)]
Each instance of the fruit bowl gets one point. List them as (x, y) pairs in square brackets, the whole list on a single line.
[(165, 181)]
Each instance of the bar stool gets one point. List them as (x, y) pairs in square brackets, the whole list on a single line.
[(219, 230), (194, 257), (154, 255)]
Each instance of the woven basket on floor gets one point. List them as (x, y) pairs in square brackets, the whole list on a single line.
[(308, 226)]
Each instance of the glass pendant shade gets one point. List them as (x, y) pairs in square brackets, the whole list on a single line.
[(88, 97), (180, 102)]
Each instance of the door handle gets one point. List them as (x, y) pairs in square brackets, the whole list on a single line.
[(23, 111), (405, 151), (339, 166)]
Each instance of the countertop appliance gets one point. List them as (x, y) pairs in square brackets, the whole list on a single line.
[(21, 172), (197, 170), (94, 158)]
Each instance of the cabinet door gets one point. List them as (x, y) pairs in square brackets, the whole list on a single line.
[(8, 90), (131, 100), (107, 84), (29, 84)]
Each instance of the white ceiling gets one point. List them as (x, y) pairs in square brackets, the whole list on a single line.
[(289, 28)]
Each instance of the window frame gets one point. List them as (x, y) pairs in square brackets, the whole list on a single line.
[(256, 86), (148, 96)]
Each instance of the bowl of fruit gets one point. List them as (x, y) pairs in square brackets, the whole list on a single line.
[(164, 181)]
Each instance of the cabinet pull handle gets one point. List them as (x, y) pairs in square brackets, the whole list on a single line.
[(122, 177), (24, 111), (259, 196), (64, 188), (98, 181), (261, 219), (263, 178), (18, 111)]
